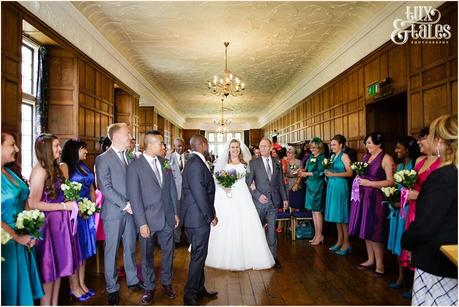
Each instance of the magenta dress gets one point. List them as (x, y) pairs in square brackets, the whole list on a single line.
[(59, 251), (368, 217)]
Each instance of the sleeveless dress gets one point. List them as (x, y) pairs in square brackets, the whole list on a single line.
[(315, 189), (337, 201), (59, 252), (86, 227), (21, 282), (397, 221), (368, 218), (238, 241), (405, 255)]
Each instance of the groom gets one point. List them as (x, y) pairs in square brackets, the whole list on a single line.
[(198, 213), (153, 196), (269, 191)]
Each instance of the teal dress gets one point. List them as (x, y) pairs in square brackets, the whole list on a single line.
[(337, 204), (315, 185), (20, 276), (396, 221)]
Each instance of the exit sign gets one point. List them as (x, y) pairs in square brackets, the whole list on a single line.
[(373, 89)]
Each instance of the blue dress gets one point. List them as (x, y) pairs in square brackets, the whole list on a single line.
[(337, 203), (21, 282), (86, 227), (315, 184), (397, 222)]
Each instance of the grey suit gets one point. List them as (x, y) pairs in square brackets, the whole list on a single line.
[(273, 189), (155, 205), (118, 224), (172, 157)]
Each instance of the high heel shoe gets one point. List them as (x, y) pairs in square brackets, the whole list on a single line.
[(334, 248), (82, 298), (344, 252), (91, 292), (318, 243)]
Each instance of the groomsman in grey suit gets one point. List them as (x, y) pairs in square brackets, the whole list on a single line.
[(153, 196), (177, 160), (116, 211), (269, 193)]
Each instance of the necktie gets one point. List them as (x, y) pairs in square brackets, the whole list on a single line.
[(268, 169), (180, 163), (157, 171), (121, 154)]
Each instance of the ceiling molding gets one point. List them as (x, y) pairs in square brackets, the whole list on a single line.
[(66, 20), (373, 35)]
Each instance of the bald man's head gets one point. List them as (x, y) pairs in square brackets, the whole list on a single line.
[(199, 143)]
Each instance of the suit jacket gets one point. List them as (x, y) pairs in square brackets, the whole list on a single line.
[(198, 193), (111, 181), (152, 204), (435, 223), (176, 172), (274, 190)]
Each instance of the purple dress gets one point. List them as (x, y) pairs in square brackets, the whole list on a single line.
[(368, 216), (59, 251)]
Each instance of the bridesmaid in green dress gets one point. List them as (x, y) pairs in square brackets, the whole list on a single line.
[(315, 187), (337, 204), (21, 283)]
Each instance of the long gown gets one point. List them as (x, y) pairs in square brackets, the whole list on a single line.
[(20, 275), (238, 242), (368, 217), (59, 252), (86, 227), (337, 201)]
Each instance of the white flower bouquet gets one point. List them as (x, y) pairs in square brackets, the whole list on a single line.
[(87, 208), (71, 190), (406, 178), (359, 167), (29, 222), (327, 163)]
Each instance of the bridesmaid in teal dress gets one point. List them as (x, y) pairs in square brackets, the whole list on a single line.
[(337, 203), (315, 187), (21, 283), (407, 150)]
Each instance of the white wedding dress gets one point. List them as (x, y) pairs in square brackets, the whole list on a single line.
[(238, 242)]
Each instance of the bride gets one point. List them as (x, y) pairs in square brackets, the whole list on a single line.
[(238, 242)]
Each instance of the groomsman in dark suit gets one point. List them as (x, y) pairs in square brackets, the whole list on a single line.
[(116, 211), (153, 196)]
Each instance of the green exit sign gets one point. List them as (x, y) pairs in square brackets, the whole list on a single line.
[(373, 89)]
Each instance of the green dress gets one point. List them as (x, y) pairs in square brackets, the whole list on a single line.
[(315, 185), (20, 276), (337, 204)]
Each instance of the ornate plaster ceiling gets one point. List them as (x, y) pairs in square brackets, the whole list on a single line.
[(178, 46)]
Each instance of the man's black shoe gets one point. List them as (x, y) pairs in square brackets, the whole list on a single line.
[(114, 298)]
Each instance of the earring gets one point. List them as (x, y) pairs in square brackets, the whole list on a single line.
[(438, 150)]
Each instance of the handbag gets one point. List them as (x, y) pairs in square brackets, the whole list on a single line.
[(304, 230)]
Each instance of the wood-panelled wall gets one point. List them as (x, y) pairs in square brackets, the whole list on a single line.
[(96, 106), (255, 136), (149, 119), (426, 72), (11, 70)]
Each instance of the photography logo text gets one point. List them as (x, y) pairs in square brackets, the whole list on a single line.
[(422, 25)]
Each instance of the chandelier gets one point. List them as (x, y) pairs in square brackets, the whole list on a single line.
[(221, 122), (226, 84)]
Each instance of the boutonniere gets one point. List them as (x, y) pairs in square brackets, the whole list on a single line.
[(130, 154), (313, 160), (166, 165)]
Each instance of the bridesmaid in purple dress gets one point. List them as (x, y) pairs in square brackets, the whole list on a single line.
[(368, 217), (59, 251)]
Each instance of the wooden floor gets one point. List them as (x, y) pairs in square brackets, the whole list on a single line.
[(309, 276)]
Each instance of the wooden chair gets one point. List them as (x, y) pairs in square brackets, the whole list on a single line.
[(284, 218)]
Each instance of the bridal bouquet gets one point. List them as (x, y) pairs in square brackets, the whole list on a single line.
[(226, 179), (87, 208), (391, 194), (406, 178), (359, 167), (71, 190), (29, 222)]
